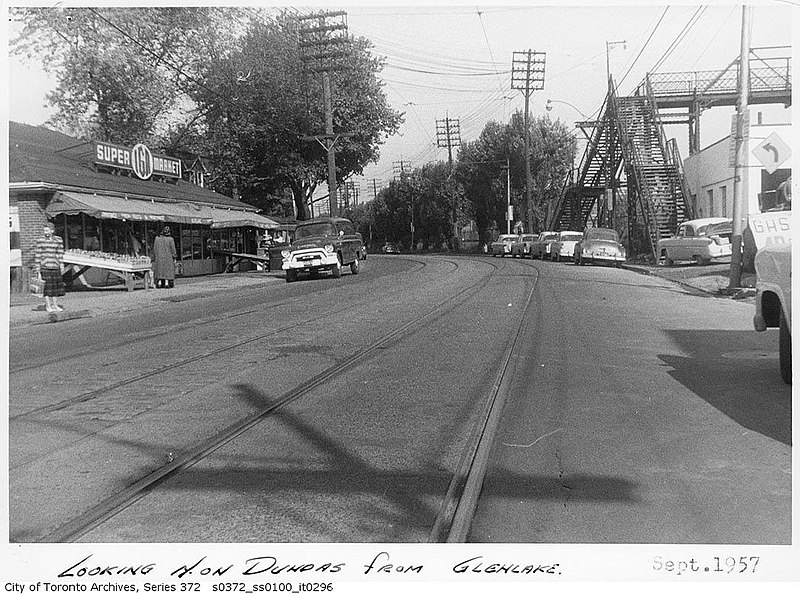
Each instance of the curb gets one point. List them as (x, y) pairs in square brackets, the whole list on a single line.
[(739, 293)]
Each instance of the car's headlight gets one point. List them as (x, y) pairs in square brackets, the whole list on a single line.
[(286, 253), (329, 248)]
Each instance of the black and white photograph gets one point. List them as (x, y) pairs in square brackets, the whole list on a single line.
[(379, 297)]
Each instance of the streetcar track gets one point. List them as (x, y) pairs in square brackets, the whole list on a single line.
[(149, 374), (111, 506), (458, 507)]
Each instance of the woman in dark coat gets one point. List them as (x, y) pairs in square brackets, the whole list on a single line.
[(164, 255)]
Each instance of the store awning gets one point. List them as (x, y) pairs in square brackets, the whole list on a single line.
[(224, 218), (117, 207)]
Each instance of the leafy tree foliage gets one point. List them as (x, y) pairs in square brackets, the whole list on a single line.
[(226, 83), (259, 123), (482, 172), (121, 73)]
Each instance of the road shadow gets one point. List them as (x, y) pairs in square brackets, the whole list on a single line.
[(736, 372), (404, 502)]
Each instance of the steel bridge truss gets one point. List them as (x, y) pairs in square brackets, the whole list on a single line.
[(630, 176)]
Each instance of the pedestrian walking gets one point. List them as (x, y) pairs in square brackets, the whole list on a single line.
[(164, 256), (49, 264)]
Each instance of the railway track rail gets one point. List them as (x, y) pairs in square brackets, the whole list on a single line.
[(453, 519)]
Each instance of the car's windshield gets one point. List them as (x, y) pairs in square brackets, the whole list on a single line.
[(314, 229), (606, 234), (571, 236), (548, 236)]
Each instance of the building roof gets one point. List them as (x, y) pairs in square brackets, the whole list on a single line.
[(38, 155)]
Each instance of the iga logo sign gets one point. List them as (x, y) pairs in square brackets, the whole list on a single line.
[(139, 159), (142, 161)]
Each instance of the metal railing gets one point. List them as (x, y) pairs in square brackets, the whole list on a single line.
[(766, 74)]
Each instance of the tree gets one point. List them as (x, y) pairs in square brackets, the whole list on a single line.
[(121, 73), (481, 171), (256, 123)]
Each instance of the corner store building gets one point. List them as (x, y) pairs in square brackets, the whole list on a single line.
[(115, 200)]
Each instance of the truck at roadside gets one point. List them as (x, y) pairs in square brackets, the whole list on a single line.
[(773, 265)]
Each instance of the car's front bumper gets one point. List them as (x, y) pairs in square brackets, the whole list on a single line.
[(309, 260)]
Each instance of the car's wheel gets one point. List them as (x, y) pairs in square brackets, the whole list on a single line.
[(785, 349), (667, 260), (291, 276), (336, 270), (701, 261), (354, 267)]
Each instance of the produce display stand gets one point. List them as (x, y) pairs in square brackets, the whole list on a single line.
[(128, 268), (235, 258)]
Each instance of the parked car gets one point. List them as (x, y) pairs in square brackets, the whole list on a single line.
[(699, 240), (541, 247), (390, 248), (774, 299), (564, 247), (502, 245), (599, 245), (522, 247), (323, 244)]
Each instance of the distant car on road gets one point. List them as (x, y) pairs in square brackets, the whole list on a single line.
[(698, 240), (541, 247), (390, 248), (502, 245), (522, 247), (774, 299), (564, 247), (599, 245), (328, 243)]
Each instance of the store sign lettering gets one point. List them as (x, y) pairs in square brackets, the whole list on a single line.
[(139, 159)]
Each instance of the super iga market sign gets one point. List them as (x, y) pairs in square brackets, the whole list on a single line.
[(138, 159)]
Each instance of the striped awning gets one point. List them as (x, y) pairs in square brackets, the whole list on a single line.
[(118, 207)]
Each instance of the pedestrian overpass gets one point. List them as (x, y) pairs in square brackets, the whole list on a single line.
[(630, 176)]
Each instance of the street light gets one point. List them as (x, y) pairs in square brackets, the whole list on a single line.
[(549, 107), (609, 45)]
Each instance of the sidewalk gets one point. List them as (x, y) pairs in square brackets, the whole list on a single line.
[(712, 279), (27, 310)]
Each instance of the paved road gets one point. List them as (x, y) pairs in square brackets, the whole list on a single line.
[(638, 413)]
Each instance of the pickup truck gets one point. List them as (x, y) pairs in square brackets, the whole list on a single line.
[(774, 299), (328, 243)]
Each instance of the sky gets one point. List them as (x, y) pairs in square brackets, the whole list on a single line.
[(454, 61)]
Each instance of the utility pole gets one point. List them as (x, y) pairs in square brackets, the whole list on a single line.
[(401, 171), (740, 206), (527, 75), (374, 188), (322, 36), (448, 134), (508, 195)]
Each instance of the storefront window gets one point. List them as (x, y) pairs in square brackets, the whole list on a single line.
[(186, 243), (74, 232), (93, 234), (205, 240), (110, 237)]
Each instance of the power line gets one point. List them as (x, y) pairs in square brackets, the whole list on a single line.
[(663, 14), (686, 28)]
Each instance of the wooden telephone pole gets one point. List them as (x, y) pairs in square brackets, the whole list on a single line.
[(448, 135), (527, 75), (742, 134), (323, 37)]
